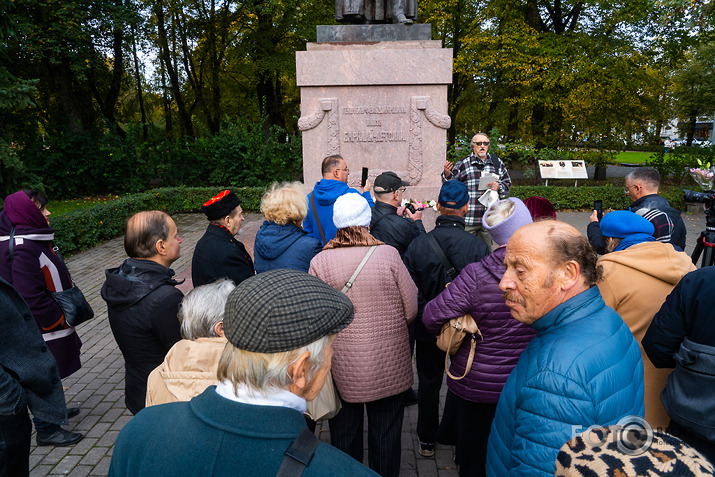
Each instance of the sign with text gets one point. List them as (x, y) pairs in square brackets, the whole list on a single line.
[(563, 170)]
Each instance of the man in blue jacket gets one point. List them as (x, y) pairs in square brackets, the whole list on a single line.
[(326, 191), (582, 369)]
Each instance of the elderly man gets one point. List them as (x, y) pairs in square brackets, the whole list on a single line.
[(388, 223), (642, 187), (470, 170), (218, 254), (280, 325), (28, 378), (431, 273), (319, 221), (190, 365), (142, 300), (583, 368)]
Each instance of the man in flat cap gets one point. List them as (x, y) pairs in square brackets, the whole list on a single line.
[(218, 254), (280, 326), (391, 222)]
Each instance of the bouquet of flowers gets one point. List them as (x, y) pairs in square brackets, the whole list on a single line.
[(420, 204), (703, 175)]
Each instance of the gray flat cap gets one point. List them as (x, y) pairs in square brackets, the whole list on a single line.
[(283, 310)]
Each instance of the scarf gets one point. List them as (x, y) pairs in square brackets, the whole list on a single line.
[(353, 236)]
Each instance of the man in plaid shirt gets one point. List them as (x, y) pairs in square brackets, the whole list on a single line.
[(469, 170)]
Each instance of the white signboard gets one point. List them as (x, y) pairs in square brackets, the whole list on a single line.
[(563, 170)]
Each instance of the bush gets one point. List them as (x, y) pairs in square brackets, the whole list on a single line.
[(676, 164), (82, 229)]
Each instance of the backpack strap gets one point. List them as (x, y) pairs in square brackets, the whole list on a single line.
[(451, 271), (317, 219), (299, 454)]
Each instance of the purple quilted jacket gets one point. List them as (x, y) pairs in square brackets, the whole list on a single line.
[(476, 291)]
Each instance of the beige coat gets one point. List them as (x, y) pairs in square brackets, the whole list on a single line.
[(371, 357), (635, 283), (188, 369)]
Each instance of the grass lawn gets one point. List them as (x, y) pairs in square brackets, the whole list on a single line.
[(58, 207), (633, 157)]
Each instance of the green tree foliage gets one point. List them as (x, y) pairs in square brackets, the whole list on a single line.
[(694, 87)]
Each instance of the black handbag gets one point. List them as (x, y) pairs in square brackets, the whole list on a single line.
[(74, 305)]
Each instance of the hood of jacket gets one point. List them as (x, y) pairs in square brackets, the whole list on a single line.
[(133, 280), (657, 259), (326, 191), (273, 239), (21, 212), (494, 263)]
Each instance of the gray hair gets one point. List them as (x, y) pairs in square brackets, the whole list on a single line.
[(647, 175), (501, 211), (202, 308), (261, 372)]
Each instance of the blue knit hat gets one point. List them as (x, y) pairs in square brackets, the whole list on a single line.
[(622, 223), (453, 191)]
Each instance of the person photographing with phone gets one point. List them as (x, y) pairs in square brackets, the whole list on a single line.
[(393, 223)]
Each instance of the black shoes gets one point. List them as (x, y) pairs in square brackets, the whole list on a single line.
[(59, 438), (72, 412)]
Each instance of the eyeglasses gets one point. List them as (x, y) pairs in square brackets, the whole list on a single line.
[(481, 143), (627, 189), (346, 169), (402, 189)]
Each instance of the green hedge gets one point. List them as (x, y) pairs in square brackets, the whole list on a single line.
[(579, 198), (86, 228)]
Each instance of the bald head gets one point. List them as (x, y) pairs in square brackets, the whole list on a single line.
[(547, 263), (563, 244), (143, 231)]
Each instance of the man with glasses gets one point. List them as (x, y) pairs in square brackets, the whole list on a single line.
[(469, 170), (642, 186), (319, 221), (391, 221)]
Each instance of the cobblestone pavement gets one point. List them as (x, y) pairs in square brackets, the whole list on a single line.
[(98, 387)]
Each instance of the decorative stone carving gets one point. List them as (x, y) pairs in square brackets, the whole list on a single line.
[(329, 107)]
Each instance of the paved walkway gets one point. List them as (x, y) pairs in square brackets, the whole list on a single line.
[(98, 388)]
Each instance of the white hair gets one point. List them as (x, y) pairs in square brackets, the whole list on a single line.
[(499, 212), (261, 372), (202, 308)]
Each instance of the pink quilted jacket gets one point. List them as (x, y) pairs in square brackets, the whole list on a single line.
[(371, 357)]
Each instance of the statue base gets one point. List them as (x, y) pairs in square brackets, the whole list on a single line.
[(380, 105), (379, 32)]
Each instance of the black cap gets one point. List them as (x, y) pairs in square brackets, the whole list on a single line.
[(388, 182)]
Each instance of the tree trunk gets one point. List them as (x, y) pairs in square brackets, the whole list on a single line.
[(137, 77)]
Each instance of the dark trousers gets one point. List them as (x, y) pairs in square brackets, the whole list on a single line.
[(430, 370), (15, 445), (44, 428), (466, 425), (384, 431)]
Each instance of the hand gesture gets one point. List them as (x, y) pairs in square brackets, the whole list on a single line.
[(448, 169)]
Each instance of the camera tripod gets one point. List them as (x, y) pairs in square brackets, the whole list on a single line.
[(706, 241)]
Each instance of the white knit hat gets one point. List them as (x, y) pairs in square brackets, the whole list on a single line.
[(351, 210)]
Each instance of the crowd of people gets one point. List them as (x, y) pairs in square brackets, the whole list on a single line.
[(347, 287)]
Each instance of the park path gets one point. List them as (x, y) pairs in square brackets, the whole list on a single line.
[(98, 387)]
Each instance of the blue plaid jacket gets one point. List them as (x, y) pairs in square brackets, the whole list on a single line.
[(469, 170)]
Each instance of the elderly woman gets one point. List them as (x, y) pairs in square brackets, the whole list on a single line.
[(30, 263), (372, 366), (638, 274), (190, 365), (471, 402), (281, 241)]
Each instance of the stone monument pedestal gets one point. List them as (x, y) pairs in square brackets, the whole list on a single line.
[(379, 104)]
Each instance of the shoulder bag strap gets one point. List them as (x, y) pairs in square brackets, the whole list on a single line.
[(451, 271), (350, 282), (12, 243), (315, 214), (299, 454)]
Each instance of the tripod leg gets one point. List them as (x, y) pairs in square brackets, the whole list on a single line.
[(698, 248)]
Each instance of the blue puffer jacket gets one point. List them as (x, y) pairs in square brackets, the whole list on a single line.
[(283, 246), (326, 192), (583, 368)]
